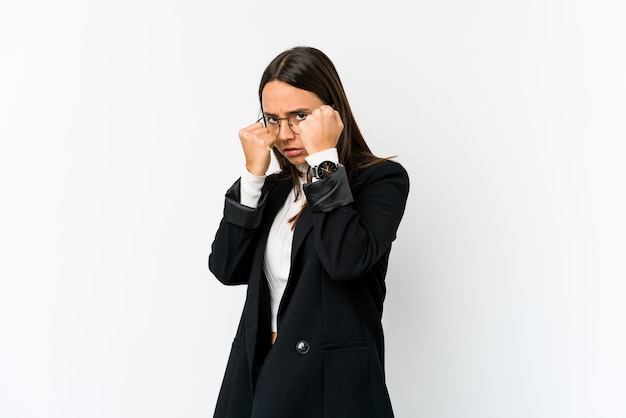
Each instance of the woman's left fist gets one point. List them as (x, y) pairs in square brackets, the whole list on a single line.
[(321, 129)]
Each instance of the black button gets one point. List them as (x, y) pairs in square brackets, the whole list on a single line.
[(303, 347)]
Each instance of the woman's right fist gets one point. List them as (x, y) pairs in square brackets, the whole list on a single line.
[(256, 142)]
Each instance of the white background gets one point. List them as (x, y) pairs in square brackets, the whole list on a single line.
[(118, 128)]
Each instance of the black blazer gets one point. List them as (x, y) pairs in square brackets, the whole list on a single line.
[(328, 360)]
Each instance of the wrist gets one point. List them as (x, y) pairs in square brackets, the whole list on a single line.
[(256, 170), (330, 154), (324, 170)]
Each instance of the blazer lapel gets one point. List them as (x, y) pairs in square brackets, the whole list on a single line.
[(303, 227), (258, 311)]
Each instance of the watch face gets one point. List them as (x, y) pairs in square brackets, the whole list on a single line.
[(325, 169)]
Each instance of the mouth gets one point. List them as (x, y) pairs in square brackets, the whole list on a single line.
[(291, 152)]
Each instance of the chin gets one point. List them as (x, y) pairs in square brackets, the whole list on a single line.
[(297, 160)]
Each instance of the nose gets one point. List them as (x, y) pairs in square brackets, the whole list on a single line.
[(284, 131)]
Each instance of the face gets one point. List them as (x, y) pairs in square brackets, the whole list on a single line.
[(280, 100)]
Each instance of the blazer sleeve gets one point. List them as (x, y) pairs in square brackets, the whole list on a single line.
[(233, 246), (353, 231)]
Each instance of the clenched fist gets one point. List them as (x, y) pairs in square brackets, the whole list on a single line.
[(321, 129), (257, 142)]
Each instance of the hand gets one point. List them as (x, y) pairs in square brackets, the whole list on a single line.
[(321, 129), (256, 142)]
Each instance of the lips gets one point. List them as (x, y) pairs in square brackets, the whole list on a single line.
[(292, 152)]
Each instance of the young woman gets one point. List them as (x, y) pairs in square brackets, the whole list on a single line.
[(312, 242)]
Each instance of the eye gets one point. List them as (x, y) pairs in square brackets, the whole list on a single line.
[(271, 120), (300, 116)]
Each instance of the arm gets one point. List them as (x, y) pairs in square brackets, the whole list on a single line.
[(233, 246), (353, 232), (232, 250)]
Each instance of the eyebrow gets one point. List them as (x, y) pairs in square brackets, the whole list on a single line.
[(299, 110)]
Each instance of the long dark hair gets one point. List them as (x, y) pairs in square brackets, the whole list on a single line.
[(310, 69)]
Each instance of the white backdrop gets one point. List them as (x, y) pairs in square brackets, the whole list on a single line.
[(118, 129)]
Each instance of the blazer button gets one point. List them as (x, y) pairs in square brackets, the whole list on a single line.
[(303, 347)]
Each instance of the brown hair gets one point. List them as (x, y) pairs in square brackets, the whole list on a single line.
[(310, 69)]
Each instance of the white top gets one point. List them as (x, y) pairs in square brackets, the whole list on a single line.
[(277, 260)]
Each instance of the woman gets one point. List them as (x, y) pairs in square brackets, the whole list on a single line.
[(312, 243)]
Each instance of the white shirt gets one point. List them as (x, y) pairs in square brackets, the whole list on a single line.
[(277, 259)]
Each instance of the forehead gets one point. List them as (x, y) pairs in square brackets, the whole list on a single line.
[(279, 97)]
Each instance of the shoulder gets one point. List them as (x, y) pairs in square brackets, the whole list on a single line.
[(387, 178), (385, 170)]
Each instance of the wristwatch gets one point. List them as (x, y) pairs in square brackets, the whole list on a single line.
[(324, 169)]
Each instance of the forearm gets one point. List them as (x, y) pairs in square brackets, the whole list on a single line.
[(234, 240), (353, 233)]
